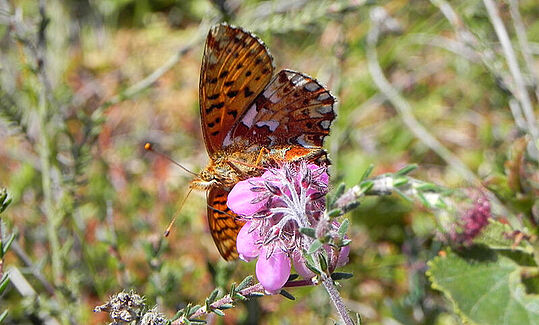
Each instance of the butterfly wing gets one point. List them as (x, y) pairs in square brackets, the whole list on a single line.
[(294, 109), (224, 225), (236, 67)]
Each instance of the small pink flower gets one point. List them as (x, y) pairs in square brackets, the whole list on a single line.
[(472, 221), (343, 256), (240, 199), (275, 206), (246, 243), (301, 267), (273, 271)]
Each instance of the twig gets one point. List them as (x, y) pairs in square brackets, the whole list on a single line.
[(521, 93), (1, 253), (486, 54), (90, 132), (44, 149), (254, 289), (405, 111), (17, 249), (448, 44), (525, 49), (155, 75)]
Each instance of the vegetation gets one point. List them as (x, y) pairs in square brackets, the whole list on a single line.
[(451, 87)]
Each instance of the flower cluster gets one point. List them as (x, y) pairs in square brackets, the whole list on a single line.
[(275, 207), (474, 220)]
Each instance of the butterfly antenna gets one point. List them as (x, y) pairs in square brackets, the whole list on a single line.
[(149, 147), (167, 231), (223, 212)]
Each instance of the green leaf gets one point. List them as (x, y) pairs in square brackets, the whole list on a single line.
[(345, 242), (248, 281), (5, 246), (287, 294), (366, 186), (226, 306), (366, 173), (497, 235), (341, 276), (3, 316), (334, 213), (5, 199), (239, 296), (401, 194), (406, 170), (485, 290), (219, 312), (400, 181), (178, 314), (331, 199), (193, 310), (323, 261), (308, 231), (4, 283), (314, 246), (424, 200), (213, 296), (343, 228), (309, 262)]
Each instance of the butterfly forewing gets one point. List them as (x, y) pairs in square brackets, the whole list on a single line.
[(235, 69), (293, 109), (223, 223)]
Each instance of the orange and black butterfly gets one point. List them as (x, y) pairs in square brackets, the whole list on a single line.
[(252, 119)]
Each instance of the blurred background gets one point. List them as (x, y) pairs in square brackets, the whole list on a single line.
[(84, 84)]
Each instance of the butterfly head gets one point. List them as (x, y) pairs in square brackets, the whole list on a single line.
[(215, 174), (205, 180)]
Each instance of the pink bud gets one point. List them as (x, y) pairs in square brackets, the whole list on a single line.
[(300, 266), (241, 197), (273, 272), (246, 245), (343, 256)]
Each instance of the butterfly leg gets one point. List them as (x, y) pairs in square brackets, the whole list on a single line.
[(316, 155), (263, 151)]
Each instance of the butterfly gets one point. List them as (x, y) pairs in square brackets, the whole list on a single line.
[(252, 119)]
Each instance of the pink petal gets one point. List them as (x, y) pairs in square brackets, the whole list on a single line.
[(248, 250), (241, 196), (343, 256), (301, 268), (324, 177), (274, 271)]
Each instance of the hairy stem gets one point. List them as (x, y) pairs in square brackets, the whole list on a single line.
[(44, 150), (336, 299)]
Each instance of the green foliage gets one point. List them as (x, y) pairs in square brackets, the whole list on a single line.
[(5, 201), (84, 84), (485, 287)]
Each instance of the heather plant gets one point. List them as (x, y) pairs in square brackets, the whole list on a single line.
[(427, 214)]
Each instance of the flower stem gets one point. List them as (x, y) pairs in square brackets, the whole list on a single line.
[(336, 299)]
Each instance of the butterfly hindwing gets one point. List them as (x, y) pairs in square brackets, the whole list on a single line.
[(293, 109), (235, 69), (223, 223)]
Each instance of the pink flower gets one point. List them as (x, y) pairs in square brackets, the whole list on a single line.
[(273, 270), (275, 206), (472, 222)]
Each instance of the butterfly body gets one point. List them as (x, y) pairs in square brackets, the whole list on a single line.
[(228, 167), (252, 120)]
